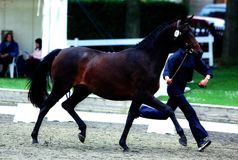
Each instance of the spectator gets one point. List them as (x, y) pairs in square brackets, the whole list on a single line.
[(8, 50), (34, 58)]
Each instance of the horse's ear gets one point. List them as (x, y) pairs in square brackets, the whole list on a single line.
[(186, 21), (189, 19)]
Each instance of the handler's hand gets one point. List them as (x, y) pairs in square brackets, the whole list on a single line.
[(4, 55), (168, 80), (203, 83)]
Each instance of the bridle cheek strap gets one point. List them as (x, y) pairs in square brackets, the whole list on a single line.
[(177, 32)]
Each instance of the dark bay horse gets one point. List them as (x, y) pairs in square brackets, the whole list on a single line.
[(131, 74)]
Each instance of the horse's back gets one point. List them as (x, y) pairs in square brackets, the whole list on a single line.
[(70, 60)]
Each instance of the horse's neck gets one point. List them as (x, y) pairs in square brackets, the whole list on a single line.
[(160, 61), (157, 43), (156, 46), (159, 52)]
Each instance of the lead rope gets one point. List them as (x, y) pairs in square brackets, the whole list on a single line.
[(180, 65)]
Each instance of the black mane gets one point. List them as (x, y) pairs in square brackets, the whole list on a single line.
[(148, 41)]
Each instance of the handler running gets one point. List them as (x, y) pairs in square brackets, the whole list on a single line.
[(178, 71)]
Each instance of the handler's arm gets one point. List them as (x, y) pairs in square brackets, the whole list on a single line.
[(168, 70), (206, 71)]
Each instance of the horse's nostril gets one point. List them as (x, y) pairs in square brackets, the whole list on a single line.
[(200, 52)]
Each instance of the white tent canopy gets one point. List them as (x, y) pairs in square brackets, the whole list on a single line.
[(54, 25)]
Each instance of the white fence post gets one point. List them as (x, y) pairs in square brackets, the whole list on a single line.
[(208, 54)]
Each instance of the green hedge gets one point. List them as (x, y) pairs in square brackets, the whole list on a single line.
[(154, 14), (106, 19)]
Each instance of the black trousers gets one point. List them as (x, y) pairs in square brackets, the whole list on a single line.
[(5, 63), (177, 99)]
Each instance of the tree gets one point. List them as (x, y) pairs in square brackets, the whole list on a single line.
[(133, 18), (187, 4), (230, 44)]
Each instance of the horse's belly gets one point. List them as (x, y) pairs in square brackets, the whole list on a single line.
[(113, 93), (114, 97)]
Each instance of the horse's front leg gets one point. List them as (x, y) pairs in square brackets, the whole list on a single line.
[(133, 113), (155, 103)]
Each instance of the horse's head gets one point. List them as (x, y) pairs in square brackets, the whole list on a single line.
[(184, 37)]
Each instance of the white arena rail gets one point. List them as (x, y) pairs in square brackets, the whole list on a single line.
[(132, 41), (104, 42)]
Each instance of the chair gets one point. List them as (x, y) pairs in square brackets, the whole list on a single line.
[(13, 66)]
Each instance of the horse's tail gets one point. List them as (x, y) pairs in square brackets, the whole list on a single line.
[(39, 81)]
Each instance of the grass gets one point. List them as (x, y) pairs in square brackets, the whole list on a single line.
[(15, 83), (221, 90)]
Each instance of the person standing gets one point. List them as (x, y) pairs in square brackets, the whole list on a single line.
[(8, 50), (178, 71)]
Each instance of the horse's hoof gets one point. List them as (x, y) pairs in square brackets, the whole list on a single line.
[(35, 141), (183, 140), (81, 137), (124, 147)]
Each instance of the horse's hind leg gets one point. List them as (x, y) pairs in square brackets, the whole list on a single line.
[(45, 107), (79, 93), (58, 91), (133, 113), (155, 103)]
